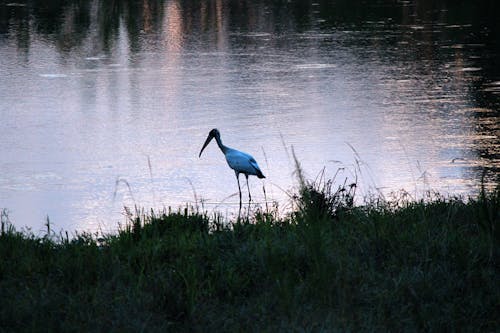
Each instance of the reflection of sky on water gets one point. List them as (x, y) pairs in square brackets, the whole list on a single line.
[(87, 113)]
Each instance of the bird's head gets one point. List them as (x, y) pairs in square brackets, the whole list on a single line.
[(213, 134)]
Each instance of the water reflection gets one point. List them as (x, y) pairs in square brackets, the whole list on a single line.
[(403, 95)]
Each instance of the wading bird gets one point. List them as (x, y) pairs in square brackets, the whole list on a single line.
[(239, 161)]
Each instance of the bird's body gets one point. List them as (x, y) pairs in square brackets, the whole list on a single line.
[(237, 160), (242, 163)]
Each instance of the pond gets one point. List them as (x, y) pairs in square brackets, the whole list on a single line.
[(106, 104)]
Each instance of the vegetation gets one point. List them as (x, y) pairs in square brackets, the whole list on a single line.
[(430, 265)]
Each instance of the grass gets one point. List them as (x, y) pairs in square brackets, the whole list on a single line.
[(328, 266)]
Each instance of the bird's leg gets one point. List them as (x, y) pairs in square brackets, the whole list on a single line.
[(239, 188), (248, 187), (249, 200)]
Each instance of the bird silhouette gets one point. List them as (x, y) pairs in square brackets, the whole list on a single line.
[(237, 160)]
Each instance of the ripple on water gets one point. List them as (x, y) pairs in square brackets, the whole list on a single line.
[(470, 69), (315, 66), (53, 75), (492, 87)]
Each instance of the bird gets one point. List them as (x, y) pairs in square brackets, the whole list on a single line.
[(237, 160)]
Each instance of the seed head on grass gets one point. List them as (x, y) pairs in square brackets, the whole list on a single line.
[(320, 199)]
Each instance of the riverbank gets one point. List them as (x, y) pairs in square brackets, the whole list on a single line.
[(328, 266)]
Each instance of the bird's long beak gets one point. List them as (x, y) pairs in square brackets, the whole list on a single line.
[(207, 141)]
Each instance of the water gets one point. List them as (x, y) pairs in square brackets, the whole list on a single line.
[(106, 104)]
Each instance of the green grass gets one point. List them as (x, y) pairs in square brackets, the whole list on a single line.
[(328, 266)]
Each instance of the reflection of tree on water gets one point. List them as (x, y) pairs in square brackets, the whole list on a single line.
[(424, 24), (75, 16), (72, 21)]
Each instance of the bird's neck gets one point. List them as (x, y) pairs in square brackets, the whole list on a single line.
[(221, 146)]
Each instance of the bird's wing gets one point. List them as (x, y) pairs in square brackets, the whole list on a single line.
[(242, 162), (253, 163), (257, 172)]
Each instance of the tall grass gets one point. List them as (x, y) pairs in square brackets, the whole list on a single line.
[(327, 266)]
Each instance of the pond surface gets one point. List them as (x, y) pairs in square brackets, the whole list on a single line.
[(106, 104)]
